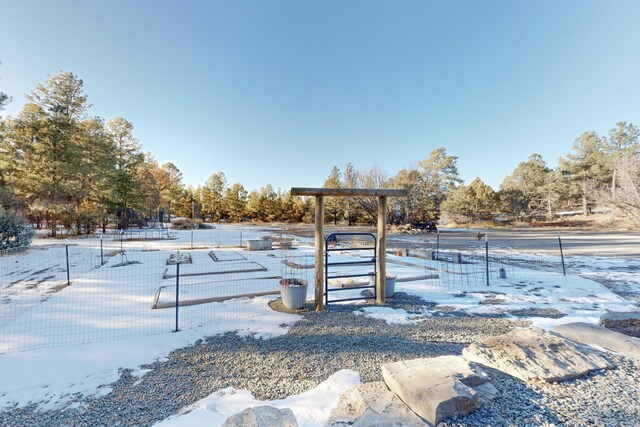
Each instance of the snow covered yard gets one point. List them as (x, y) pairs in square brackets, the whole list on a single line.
[(99, 351)]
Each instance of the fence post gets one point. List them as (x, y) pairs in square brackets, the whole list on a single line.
[(486, 255), (437, 243), (101, 253), (564, 271), (177, 289), (66, 250)]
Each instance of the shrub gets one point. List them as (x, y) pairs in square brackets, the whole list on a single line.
[(15, 233), (187, 224)]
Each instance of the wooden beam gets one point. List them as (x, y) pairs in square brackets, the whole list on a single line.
[(186, 303), (348, 192), (319, 283), (382, 250)]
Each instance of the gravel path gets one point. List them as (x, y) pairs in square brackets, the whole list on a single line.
[(323, 343)]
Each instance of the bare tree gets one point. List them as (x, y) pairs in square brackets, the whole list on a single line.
[(626, 197)]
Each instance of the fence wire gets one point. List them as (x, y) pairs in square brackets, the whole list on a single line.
[(102, 289)]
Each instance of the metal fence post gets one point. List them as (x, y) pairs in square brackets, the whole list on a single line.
[(486, 255), (66, 250), (564, 271), (101, 253), (177, 289), (437, 243)]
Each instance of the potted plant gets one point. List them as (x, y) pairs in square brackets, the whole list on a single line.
[(293, 292)]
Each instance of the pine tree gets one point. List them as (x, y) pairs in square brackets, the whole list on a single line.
[(525, 189), (473, 202), (235, 201), (351, 207), (439, 177), (212, 196), (334, 206), (587, 166), (47, 148), (170, 185)]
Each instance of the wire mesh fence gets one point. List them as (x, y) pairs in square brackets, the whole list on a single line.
[(101, 289)]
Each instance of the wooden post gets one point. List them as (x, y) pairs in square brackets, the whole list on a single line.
[(319, 283), (382, 250)]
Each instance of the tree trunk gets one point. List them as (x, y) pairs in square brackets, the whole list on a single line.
[(54, 225), (585, 210)]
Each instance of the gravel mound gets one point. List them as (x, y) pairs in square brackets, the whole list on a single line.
[(323, 343)]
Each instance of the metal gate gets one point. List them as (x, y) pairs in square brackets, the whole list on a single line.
[(331, 245)]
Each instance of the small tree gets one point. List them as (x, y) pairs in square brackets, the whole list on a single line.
[(15, 233), (473, 202)]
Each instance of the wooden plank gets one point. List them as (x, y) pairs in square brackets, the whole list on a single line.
[(382, 250), (212, 299), (319, 283), (349, 192)]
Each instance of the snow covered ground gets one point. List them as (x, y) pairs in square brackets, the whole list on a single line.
[(83, 335)]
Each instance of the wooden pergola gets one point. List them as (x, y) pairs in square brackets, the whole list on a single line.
[(381, 256)]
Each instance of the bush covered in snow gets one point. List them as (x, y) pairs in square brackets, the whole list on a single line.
[(15, 233)]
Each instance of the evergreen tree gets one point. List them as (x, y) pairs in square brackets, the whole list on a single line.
[(235, 201), (350, 180), (15, 233), (587, 166), (413, 206), (623, 142), (47, 148), (212, 196), (473, 202), (170, 185), (333, 206), (127, 189), (439, 177), (525, 189)]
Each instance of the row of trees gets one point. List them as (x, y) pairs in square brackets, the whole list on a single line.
[(600, 171), (59, 166)]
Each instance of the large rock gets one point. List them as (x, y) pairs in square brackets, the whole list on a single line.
[(627, 323), (372, 404), (532, 354), (438, 388), (262, 416), (588, 333)]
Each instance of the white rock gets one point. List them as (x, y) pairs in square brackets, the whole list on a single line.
[(588, 333), (532, 354), (372, 404), (438, 388), (262, 416)]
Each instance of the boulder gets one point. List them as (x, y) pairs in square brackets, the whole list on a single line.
[(372, 404), (532, 354), (588, 333), (262, 416), (627, 323), (438, 388)]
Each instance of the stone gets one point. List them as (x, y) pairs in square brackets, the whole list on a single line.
[(627, 323), (531, 354), (262, 416), (438, 388), (590, 334), (372, 404)]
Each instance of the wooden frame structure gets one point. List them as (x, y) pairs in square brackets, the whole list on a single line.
[(320, 194)]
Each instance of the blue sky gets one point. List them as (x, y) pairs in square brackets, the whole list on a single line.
[(279, 92)]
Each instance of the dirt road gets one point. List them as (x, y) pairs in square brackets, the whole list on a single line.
[(574, 241)]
